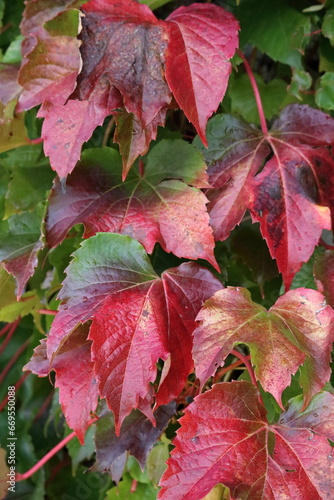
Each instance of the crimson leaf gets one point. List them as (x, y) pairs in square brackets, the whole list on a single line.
[(225, 438), (136, 316), (291, 196), (148, 206), (297, 330), (78, 391)]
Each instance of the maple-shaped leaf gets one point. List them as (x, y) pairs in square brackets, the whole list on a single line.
[(296, 332), (137, 437), (202, 38), (324, 275), (148, 206), (225, 438), (78, 390), (288, 191), (136, 316), (20, 241)]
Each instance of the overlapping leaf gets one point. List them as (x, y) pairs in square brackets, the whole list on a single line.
[(147, 207), (137, 318), (291, 196), (137, 437), (78, 390), (225, 438), (125, 45), (20, 241), (297, 330)]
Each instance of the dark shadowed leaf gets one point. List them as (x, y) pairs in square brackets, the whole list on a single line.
[(324, 275), (20, 240), (225, 433), (137, 437)]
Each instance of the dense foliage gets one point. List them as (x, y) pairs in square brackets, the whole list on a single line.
[(166, 249)]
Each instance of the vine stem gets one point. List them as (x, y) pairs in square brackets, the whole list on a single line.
[(11, 332), (13, 360), (46, 458), (5, 329), (17, 386), (227, 369), (256, 92), (50, 454)]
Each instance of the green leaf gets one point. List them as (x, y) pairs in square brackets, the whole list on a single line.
[(65, 23), (20, 240), (79, 452), (13, 53), (7, 288), (154, 4), (29, 303), (273, 95), (156, 462), (328, 25), (324, 96), (123, 490), (12, 129), (31, 178), (275, 28), (301, 81)]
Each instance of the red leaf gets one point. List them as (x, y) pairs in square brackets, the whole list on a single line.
[(291, 196), (78, 390), (10, 89), (67, 127), (225, 438), (137, 319), (124, 43), (147, 207), (132, 330), (130, 44), (297, 330), (201, 40), (50, 70)]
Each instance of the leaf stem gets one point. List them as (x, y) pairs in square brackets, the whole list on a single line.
[(11, 332), (227, 369), (46, 458), (256, 92), (247, 364), (51, 312)]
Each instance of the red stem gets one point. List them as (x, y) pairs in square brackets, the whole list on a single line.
[(50, 454), (256, 92), (227, 369), (141, 168), (17, 386), (5, 329), (51, 312), (247, 364), (36, 141), (134, 486), (11, 332), (36, 467), (13, 360), (45, 404)]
